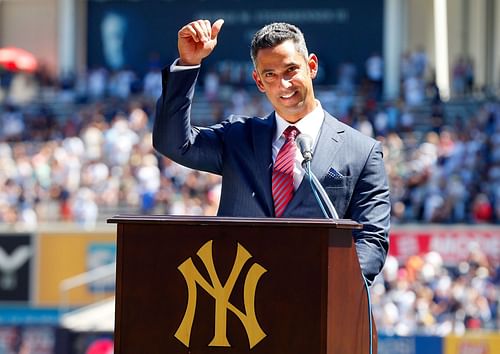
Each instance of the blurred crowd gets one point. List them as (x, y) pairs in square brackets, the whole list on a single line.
[(424, 296), (451, 174), (73, 170), (96, 155), (79, 150)]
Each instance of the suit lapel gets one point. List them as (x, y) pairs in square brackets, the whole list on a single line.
[(324, 154), (262, 133), (328, 144)]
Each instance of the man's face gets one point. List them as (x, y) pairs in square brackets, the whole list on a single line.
[(285, 76)]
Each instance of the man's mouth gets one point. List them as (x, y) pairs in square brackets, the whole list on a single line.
[(289, 95)]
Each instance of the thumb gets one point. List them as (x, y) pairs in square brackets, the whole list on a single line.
[(216, 28)]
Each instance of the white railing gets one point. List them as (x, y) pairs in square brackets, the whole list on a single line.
[(87, 278)]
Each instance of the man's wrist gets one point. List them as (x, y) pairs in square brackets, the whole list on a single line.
[(178, 66), (181, 62)]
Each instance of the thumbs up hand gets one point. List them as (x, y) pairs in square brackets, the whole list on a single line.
[(196, 40)]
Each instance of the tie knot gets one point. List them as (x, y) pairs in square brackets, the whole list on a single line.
[(291, 132)]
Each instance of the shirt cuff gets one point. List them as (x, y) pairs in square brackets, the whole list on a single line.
[(174, 67)]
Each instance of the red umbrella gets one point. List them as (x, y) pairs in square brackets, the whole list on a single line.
[(17, 59)]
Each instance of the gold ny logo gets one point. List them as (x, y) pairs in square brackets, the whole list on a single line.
[(221, 295)]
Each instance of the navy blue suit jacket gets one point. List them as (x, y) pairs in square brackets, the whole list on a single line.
[(239, 149)]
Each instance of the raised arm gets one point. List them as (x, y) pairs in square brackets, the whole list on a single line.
[(173, 135)]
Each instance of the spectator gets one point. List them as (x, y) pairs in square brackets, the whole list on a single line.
[(152, 83), (12, 124), (347, 77), (374, 67), (85, 209)]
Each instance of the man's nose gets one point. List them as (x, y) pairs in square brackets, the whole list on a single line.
[(286, 82)]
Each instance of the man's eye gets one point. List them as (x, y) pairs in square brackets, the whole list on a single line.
[(269, 74)]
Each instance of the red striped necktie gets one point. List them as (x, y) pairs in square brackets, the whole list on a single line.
[(282, 181)]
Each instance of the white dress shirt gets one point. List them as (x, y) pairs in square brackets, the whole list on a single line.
[(310, 125)]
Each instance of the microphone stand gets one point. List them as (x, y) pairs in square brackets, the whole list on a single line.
[(318, 188), (305, 148)]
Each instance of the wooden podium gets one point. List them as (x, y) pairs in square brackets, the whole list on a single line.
[(228, 285)]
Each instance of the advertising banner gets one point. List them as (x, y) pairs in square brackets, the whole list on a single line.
[(65, 255), (410, 345), (11, 315), (453, 244), (480, 343), (100, 254), (16, 257), (396, 345)]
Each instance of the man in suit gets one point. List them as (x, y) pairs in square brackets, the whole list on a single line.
[(246, 150)]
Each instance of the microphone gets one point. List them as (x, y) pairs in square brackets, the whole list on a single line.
[(304, 143)]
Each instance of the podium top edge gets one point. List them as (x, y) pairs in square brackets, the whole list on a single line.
[(215, 220)]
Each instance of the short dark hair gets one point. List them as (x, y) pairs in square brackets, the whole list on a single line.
[(276, 33)]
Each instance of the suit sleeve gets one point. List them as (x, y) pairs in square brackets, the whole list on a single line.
[(174, 136), (370, 206)]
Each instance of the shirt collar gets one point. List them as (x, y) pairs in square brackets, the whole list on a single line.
[(310, 124)]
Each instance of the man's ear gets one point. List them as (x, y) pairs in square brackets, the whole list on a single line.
[(313, 65), (258, 81)]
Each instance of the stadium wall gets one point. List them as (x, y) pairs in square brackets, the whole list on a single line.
[(29, 312), (55, 253)]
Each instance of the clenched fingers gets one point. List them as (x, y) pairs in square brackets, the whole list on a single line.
[(201, 30)]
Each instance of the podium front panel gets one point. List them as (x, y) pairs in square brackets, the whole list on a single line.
[(288, 287)]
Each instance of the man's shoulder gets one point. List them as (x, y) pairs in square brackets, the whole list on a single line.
[(348, 132)]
